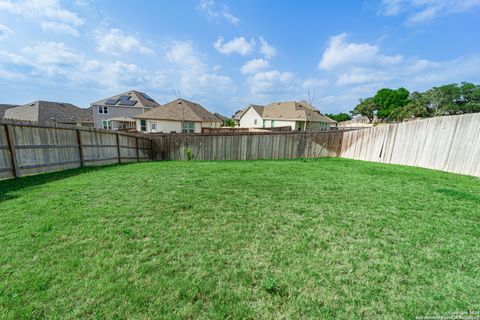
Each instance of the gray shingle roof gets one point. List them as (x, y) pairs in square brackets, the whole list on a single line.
[(139, 98), (47, 111), (180, 109), (5, 107)]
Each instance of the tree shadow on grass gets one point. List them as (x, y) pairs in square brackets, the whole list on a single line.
[(12, 185), (460, 195)]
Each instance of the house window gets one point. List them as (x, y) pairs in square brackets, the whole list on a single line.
[(103, 109), (143, 125), (255, 122), (188, 127), (107, 124), (272, 123), (264, 123), (153, 127)]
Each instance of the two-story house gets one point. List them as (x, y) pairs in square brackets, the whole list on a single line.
[(299, 116), (117, 112)]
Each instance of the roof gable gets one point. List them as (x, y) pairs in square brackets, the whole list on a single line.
[(132, 98), (180, 110)]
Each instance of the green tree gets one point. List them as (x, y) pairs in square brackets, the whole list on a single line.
[(342, 116), (388, 100), (367, 108), (417, 107), (229, 123)]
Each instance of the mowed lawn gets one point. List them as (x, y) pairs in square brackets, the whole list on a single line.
[(326, 238)]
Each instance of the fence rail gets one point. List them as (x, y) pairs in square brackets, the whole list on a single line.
[(29, 148)]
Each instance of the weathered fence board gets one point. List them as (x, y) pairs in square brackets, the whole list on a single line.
[(450, 143), (29, 148), (247, 146)]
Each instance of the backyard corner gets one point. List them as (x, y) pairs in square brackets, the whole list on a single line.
[(309, 238)]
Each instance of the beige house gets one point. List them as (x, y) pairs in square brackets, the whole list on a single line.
[(177, 116), (299, 116)]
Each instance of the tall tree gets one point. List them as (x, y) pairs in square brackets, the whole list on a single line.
[(417, 107), (367, 108), (388, 100)]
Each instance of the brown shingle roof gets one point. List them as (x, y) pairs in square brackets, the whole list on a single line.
[(180, 109), (292, 110), (141, 99), (47, 111)]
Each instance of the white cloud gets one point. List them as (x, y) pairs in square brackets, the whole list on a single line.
[(237, 45), (51, 53), (360, 75), (213, 12), (312, 83), (265, 48), (272, 82), (44, 11), (114, 41), (420, 11), (5, 32), (182, 53), (59, 28), (254, 66), (195, 76), (340, 54)]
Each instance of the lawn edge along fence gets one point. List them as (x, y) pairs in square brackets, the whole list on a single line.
[(30, 147)]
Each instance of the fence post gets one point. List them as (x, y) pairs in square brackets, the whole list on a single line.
[(118, 149), (151, 149), (138, 153), (80, 148), (11, 149)]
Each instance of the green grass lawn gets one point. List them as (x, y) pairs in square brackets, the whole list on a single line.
[(326, 238)]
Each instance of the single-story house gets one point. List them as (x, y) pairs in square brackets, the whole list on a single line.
[(300, 116), (116, 112), (177, 116), (48, 111)]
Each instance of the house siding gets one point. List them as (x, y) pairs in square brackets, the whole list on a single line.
[(248, 119), (114, 112), (169, 126)]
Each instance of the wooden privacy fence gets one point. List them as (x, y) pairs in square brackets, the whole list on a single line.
[(250, 146), (28, 148), (450, 143)]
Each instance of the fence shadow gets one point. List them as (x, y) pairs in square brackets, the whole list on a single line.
[(11, 185)]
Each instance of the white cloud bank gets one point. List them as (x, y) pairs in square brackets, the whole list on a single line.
[(237, 45), (421, 11), (50, 14), (214, 12), (5, 32), (254, 66), (114, 41)]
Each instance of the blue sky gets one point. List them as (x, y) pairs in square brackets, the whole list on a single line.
[(227, 54)]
